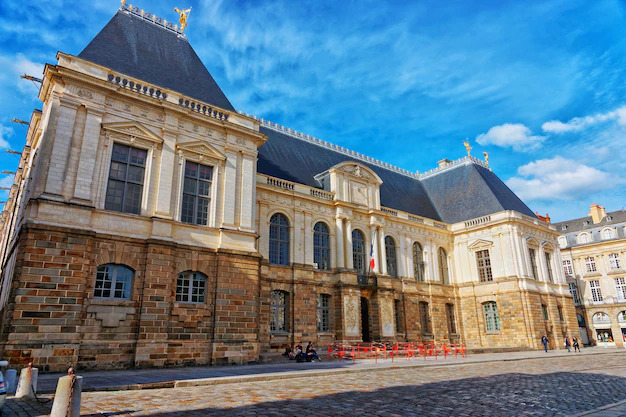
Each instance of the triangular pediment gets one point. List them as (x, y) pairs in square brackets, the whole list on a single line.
[(202, 149), (480, 243), (133, 130), (355, 169)]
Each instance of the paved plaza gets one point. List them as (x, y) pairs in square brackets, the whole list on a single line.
[(555, 384)]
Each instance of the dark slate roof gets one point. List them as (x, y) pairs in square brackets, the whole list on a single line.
[(586, 223), (468, 191), (138, 48), (456, 194), (296, 160)]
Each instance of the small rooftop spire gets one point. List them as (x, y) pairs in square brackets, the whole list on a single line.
[(468, 148)]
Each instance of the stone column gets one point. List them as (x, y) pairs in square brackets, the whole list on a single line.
[(264, 231), (61, 146), (348, 245), (308, 240), (383, 252), (248, 184), (410, 268), (298, 240), (166, 176), (88, 152), (402, 259), (339, 256), (230, 189)]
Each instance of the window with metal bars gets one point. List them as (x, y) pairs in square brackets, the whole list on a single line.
[(321, 246), (390, 252), (484, 265), (196, 193), (358, 251), (126, 176), (418, 262), (323, 313), (191, 287), (279, 239), (278, 311), (492, 320), (451, 318), (113, 281), (425, 317)]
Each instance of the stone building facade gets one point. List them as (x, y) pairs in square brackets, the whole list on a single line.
[(151, 224), (594, 250)]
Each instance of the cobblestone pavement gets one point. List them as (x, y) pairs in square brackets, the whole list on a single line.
[(551, 386)]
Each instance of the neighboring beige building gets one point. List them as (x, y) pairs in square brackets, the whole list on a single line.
[(151, 224), (594, 251)]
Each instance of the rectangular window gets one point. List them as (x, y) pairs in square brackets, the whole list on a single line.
[(125, 185), (544, 311), (278, 311), (323, 313), (573, 289), (560, 310), (492, 319), (590, 264), (615, 261), (424, 317), (596, 292), (397, 309), (196, 193), (450, 317), (549, 266), (533, 263), (191, 287), (567, 268), (484, 265), (620, 289)]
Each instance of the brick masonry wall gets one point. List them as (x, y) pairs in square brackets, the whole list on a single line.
[(53, 320)]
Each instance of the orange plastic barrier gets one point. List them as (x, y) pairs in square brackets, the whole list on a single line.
[(382, 350)]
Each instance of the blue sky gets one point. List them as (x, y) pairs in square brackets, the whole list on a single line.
[(538, 85)]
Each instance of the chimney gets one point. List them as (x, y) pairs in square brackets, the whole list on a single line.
[(444, 163), (597, 213), (545, 218)]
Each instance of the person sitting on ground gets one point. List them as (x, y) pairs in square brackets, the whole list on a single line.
[(311, 353), (300, 357), (289, 352)]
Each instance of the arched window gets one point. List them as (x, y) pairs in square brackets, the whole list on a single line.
[(562, 242), (607, 234), (113, 281), (443, 266), (390, 251), (358, 251), (492, 320), (279, 239), (418, 262), (425, 318), (621, 317), (583, 238), (321, 246), (191, 287), (601, 318), (278, 311)]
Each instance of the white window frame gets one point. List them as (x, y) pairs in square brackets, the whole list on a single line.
[(605, 232), (614, 261), (573, 289), (216, 165), (568, 268), (582, 238), (596, 291), (620, 289), (590, 264)]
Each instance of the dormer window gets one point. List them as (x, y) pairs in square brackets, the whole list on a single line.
[(562, 242), (586, 223), (583, 238), (564, 227), (607, 234)]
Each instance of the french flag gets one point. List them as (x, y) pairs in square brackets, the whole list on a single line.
[(372, 263)]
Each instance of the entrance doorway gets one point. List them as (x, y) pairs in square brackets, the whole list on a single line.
[(365, 320)]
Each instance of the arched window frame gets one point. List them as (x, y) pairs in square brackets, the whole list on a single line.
[(492, 319), (607, 233), (279, 317), (444, 275), (390, 252), (121, 278), (279, 239), (583, 238), (418, 262), (562, 242), (601, 318), (358, 251), (191, 287), (321, 245)]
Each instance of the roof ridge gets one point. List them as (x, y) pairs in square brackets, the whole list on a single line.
[(151, 18), (356, 155)]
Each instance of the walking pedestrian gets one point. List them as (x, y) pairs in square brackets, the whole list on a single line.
[(576, 345), (544, 342), (567, 344)]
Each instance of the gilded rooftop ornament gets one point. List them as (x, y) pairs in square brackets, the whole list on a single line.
[(123, 3), (486, 155), (184, 13), (468, 148)]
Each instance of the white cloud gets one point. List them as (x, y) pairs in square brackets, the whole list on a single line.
[(559, 178), (513, 135), (579, 123), (4, 133)]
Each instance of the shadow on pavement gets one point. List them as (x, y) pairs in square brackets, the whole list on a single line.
[(513, 394)]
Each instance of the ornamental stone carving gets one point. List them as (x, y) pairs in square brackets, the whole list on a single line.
[(386, 316), (351, 315), (356, 170)]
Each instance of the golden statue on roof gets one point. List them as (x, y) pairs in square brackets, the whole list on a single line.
[(184, 13), (468, 148), (486, 155)]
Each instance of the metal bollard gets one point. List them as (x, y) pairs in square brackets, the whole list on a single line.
[(27, 386), (67, 396), (10, 380)]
